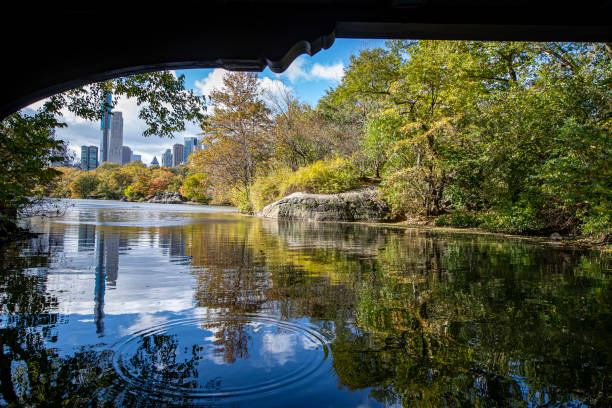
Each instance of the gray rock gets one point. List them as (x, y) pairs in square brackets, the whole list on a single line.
[(357, 205), (555, 236), (167, 197)]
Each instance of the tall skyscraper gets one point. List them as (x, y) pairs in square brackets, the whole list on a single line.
[(105, 127), (167, 159), (85, 157), (191, 144), (126, 155), (116, 138), (177, 154), (89, 157)]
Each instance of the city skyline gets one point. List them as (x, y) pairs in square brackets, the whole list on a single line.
[(307, 77), (111, 147), (112, 150)]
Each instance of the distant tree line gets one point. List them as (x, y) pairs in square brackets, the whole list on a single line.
[(133, 181)]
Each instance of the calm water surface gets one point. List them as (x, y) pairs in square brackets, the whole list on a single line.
[(124, 304)]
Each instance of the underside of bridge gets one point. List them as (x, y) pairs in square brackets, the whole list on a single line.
[(54, 48)]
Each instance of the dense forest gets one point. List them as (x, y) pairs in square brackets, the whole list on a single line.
[(512, 137)]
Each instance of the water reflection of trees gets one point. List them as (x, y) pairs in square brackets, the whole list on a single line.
[(32, 373), (418, 318), (244, 268), (421, 317), (477, 322)]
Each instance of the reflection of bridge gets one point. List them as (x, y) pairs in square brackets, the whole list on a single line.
[(253, 34)]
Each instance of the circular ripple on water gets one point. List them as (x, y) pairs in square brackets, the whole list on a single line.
[(220, 357)]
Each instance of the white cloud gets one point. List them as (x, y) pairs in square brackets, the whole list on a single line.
[(142, 322), (298, 71), (36, 105), (273, 88), (213, 81), (330, 72), (295, 71)]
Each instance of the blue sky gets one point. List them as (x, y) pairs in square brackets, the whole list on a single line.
[(307, 78), (307, 85)]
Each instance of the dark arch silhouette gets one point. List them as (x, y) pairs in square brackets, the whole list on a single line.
[(58, 47)]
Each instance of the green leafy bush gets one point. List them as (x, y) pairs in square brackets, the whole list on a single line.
[(442, 221), (240, 198), (267, 189), (461, 219), (195, 188), (516, 220), (323, 176), (598, 226), (408, 191), (83, 185)]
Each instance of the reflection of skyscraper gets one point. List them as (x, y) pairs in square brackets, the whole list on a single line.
[(111, 258), (177, 242), (87, 237), (105, 127), (99, 288), (116, 138), (107, 270)]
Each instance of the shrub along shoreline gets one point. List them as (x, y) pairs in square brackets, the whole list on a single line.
[(322, 177)]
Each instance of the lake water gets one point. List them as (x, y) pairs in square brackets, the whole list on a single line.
[(126, 304)]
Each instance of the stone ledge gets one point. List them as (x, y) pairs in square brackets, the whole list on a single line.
[(356, 205)]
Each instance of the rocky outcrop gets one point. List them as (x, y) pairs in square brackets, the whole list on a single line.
[(555, 236), (357, 205), (167, 197)]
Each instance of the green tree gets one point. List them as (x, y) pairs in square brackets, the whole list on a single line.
[(84, 185), (195, 187), (28, 145), (299, 135)]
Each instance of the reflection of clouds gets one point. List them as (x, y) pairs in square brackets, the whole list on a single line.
[(211, 354), (214, 357), (281, 346), (143, 321), (308, 344), (75, 295)]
